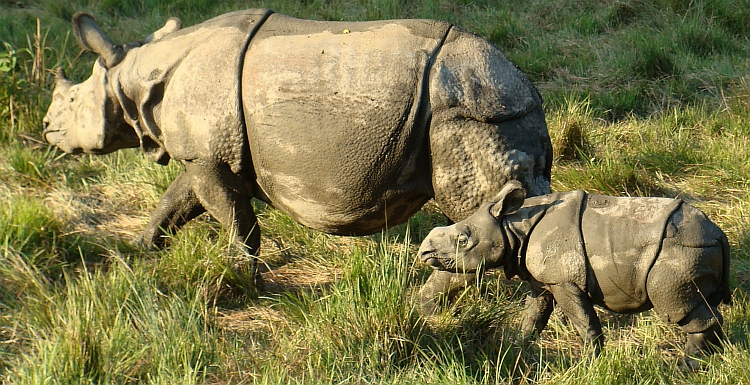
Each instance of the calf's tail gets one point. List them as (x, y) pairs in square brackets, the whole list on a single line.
[(726, 291)]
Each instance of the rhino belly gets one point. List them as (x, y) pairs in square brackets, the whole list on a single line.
[(334, 120)]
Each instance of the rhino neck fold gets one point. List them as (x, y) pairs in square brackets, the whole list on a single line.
[(516, 229), (157, 82), (247, 159), (150, 141)]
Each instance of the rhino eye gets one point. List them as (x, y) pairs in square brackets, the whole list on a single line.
[(462, 240), (71, 100)]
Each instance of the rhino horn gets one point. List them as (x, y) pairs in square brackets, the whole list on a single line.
[(172, 25), (91, 37), (61, 80), (508, 200)]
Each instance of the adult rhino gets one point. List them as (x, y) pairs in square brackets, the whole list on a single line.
[(348, 127)]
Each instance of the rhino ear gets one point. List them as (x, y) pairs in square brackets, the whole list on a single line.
[(90, 37), (172, 25), (508, 200)]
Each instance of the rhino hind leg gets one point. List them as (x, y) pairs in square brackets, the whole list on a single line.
[(708, 341), (685, 286), (704, 328), (178, 206), (700, 344), (224, 196), (472, 160)]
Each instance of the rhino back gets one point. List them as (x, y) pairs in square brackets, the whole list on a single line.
[(623, 237), (336, 122)]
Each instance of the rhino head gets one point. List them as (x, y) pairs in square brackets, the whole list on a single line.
[(87, 117), (476, 242)]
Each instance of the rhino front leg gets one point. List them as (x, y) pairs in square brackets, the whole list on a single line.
[(539, 306), (579, 309), (472, 160), (177, 206), (440, 287), (224, 196)]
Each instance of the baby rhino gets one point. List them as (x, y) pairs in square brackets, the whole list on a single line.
[(578, 250)]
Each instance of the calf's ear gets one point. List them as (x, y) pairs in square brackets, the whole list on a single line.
[(508, 200)]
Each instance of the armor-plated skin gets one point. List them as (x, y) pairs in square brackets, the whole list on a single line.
[(348, 127), (578, 250)]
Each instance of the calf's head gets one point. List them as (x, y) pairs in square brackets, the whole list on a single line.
[(87, 117), (477, 241)]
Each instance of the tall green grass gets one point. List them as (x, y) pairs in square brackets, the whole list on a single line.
[(642, 98), (110, 326)]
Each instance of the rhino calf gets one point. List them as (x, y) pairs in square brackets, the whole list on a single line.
[(578, 250)]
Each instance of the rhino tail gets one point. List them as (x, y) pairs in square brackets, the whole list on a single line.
[(726, 291)]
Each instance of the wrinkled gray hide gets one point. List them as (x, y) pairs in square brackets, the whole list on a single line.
[(346, 126), (579, 250)]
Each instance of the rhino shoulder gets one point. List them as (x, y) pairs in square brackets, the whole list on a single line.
[(555, 250), (184, 89)]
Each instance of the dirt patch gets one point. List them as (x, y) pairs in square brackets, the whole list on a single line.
[(299, 275), (255, 319)]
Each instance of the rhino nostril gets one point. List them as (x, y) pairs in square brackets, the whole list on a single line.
[(46, 130)]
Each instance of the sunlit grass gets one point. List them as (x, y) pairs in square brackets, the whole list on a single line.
[(642, 98)]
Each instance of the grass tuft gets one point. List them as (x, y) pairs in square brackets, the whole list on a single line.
[(569, 133)]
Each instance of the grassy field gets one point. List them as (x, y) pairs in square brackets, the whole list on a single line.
[(643, 97)]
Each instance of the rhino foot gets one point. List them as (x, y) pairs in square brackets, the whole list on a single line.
[(706, 342), (151, 241), (700, 345), (688, 364), (441, 287)]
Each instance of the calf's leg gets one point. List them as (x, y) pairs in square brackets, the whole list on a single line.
[(440, 287), (684, 285), (705, 342), (579, 309), (539, 306)]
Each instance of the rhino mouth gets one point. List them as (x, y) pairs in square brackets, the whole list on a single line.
[(433, 259), (46, 132), (57, 138), (433, 262)]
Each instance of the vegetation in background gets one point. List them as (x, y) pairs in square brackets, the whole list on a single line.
[(643, 97)]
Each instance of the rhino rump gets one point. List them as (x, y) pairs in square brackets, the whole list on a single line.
[(691, 271), (668, 256)]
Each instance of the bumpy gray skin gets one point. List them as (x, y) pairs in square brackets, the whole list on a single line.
[(578, 250), (348, 127)]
